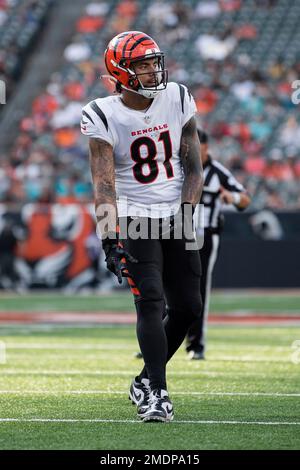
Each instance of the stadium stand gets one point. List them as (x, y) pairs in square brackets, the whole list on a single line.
[(20, 23), (239, 60)]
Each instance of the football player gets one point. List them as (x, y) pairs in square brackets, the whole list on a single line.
[(145, 164)]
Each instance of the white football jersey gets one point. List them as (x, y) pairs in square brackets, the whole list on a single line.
[(146, 144)]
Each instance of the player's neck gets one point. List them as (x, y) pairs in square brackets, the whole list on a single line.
[(134, 101)]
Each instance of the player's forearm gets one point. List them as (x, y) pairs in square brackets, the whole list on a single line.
[(105, 208), (191, 189), (103, 176), (191, 161)]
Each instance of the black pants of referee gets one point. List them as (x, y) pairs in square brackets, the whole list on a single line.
[(196, 336), (166, 273)]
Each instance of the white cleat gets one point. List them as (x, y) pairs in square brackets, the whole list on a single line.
[(160, 407), (139, 393)]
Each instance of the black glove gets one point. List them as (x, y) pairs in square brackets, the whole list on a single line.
[(114, 254)]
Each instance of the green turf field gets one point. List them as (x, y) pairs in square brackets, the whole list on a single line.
[(66, 388), (272, 302)]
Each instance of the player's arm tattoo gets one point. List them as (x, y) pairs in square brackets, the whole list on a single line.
[(103, 176), (190, 154)]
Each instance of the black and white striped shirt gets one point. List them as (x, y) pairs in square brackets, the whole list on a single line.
[(215, 176)]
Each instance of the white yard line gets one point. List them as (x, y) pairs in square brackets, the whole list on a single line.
[(120, 392), (119, 345), (129, 373), (131, 421), (97, 355), (69, 347)]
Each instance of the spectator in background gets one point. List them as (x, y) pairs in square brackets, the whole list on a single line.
[(207, 9), (290, 132), (212, 47), (243, 101), (8, 245), (159, 14), (230, 5), (276, 169), (20, 23), (78, 51)]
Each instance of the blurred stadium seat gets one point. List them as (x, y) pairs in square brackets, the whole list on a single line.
[(238, 58), (20, 23)]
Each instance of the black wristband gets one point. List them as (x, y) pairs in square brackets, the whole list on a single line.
[(109, 239)]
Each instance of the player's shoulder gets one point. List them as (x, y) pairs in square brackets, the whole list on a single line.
[(177, 90), (102, 106), (178, 93)]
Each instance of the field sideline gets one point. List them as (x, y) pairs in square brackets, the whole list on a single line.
[(65, 386)]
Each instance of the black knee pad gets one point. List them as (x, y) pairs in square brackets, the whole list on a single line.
[(151, 289)]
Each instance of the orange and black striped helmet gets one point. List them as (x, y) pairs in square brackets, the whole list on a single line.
[(127, 48)]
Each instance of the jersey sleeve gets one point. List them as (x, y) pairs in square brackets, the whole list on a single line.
[(187, 103), (95, 124)]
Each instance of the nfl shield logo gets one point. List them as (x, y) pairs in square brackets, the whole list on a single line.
[(147, 119)]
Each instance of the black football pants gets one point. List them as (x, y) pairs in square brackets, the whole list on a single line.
[(166, 273)]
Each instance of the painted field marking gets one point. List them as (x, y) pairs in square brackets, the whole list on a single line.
[(196, 372), (120, 392), (67, 347), (131, 421)]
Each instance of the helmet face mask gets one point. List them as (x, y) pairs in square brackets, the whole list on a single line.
[(160, 76), (128, 49)]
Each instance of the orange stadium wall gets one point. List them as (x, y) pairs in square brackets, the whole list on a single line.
[(54, 244)]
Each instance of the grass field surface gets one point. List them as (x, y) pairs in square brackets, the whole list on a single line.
[(66, 387), (273, 302)]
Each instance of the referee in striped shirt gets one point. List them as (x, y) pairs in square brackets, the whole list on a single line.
[(220, 187)]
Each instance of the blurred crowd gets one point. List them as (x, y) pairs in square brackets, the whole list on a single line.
[(20, 23), (225, 51)]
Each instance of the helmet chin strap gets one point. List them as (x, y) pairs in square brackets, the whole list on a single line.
[(141, 92), (144, 91), (148, 93)]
